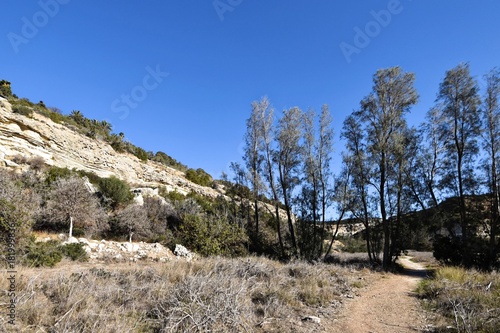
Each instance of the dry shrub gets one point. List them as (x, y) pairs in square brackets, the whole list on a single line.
[(469, 299), (215, 294)]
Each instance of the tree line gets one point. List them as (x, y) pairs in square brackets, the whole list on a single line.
[(389, 169)]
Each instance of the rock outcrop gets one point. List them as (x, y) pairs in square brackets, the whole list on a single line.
[(62, 146), (105, 250)]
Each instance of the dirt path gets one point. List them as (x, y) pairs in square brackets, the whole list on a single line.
[(388, 305)]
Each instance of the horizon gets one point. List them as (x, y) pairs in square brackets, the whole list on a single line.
[(180, 79)]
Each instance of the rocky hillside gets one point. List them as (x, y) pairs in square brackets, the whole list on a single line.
[(61, 146)]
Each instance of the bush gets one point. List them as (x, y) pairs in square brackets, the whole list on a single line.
[(36, 163), (141, 154), (43, 254), (352, 244), (167, 160), (74, 251), (92, 177), (56, 117), (5, 89), (211, 235), (199, 176), (22, 110), (172, 196), (451, 251), (55, 173), (115, 191)]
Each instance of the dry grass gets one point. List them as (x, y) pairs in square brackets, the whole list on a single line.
[(218, 295), (470, 300)]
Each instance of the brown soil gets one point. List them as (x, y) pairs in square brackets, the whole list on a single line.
[(388, 305)]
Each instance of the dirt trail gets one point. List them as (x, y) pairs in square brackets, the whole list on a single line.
[(388, 305)]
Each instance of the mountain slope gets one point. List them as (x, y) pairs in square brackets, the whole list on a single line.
[(60, 146)]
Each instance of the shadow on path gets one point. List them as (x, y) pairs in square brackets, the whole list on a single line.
[(412, 269)]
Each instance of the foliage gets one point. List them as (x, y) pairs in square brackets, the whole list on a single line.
[(167, 160), (19, 203), (43, 254), (141, 154), (115, 191), (215, 230), (74, 251), (450, 251), (173, 196), (352, 244), (54, 173), (199, 176), (5, 89), (22, 110)]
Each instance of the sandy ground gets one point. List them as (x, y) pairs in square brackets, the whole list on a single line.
[(386, 306)]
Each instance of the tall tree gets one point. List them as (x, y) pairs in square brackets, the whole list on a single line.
[(253, 157), (268, 151), (383, 113), (310, 187), (355, 160), (431, 163), (288, 160), (460, 129), (324, 150), (491, 141)]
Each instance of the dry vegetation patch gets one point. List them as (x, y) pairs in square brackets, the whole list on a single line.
[(468, 300), (216, 294)]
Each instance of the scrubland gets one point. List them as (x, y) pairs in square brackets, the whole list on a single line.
[(464, 300), (213, 294)]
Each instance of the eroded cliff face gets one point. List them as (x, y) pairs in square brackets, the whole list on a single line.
[(61, 146)]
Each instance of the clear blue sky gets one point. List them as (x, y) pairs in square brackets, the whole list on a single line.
[(221, 55)]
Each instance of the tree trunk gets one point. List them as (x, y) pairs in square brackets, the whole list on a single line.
[(495, 214), (386, 260), (70, 226), (280, 238)]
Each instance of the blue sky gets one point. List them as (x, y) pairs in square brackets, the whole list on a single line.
[(179, 76)]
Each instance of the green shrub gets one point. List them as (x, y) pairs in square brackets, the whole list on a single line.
[(22, 101), (141, 154), (56, 117), (167, 160), (43, 254), (5, 89), (22, 110), (173, 196), (115, 191), (74, 251), (199, 176), (92, 177), (353, 244), (55, 173), (211, 236)]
